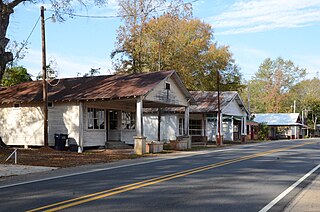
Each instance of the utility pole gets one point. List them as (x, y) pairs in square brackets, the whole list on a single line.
[(44, 80), (219, 112)]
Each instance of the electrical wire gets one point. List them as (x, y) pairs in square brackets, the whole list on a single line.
[(107, 17), (26, 41)]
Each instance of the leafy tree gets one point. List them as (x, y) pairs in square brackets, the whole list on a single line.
[(173, 41), (306, 95), (7, 8), (270, 87), (263, 131), (15, 75)]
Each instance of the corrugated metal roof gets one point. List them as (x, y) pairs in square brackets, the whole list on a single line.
[(277, 119), (206, 102), (86, 88)]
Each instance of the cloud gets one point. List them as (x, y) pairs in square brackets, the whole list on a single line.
[(261, 15), (67, 66)]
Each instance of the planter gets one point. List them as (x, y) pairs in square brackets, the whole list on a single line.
[(178, 145), (154, 146)]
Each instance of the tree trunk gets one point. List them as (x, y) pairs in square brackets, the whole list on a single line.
[(5, 11)]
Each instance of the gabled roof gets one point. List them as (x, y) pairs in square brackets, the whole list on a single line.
[(278, 119), (89, 88), (207, 101)]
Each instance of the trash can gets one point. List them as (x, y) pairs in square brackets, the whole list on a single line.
[(60, 141), (73, 146)]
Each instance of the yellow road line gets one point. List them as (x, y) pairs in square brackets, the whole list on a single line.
[(110, 192)]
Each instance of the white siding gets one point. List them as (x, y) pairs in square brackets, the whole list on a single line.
[(172, 96), (21, 126), (169, 127), (64, 118), (234, 109), (24, 125)]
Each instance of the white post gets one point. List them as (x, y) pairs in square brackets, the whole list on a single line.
[(243, 129), (139, 140), (186, 121), (81, 126), (232, 123), (139, 114)]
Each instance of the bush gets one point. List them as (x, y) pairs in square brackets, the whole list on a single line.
[(263, 131)]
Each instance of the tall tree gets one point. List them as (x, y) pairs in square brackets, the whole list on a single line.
[(173, 41), (271, 84), (306, 95), (7, 9), (14, 76)]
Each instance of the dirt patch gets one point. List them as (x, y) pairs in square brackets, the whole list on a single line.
[(46, 156)]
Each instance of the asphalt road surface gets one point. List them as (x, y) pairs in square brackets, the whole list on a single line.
[(260, 177)]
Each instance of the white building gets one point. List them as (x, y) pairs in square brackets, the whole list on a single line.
[(203, 118), (282, 125), (91, 110)]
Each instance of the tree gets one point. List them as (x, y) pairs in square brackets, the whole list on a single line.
[(172, 41), (15, 75), (271, 85), (306, 95), (7, 7)]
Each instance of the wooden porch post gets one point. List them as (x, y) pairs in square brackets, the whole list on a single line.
[(186, 121), (139, 119), (139, 140), (159, 124), (81, 126), (243, 129)]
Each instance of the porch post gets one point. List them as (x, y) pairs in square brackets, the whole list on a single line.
[(186, 121), (232, 124), (186, 126), (81, 126), (219, 136), (159, 124), (139, 140), (243, 129)]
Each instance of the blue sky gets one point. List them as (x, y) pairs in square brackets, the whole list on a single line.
[(254, 30)]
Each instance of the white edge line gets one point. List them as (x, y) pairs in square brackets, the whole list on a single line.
[(127, 165), (288, 190)]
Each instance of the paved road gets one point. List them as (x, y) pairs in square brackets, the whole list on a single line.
[(246, 178)]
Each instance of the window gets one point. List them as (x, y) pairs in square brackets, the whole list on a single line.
[(168, 86), (95, 118), (113, 116), (195, 127), (181, 126), (128, 120), (16, 105)]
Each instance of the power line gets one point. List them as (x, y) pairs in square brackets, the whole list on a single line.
[(26, 41), (108, 16)]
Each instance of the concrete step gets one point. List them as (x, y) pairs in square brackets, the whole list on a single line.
[(117, 145)]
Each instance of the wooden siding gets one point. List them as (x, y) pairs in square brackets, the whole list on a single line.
[(24, 125), (169, 127), (64, 118), (234, 109), (21, 126), (173, 96)]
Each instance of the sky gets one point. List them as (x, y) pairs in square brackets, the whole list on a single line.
[(253, 29)]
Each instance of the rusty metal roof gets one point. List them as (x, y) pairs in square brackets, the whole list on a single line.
[(85, 88), (207, 101)]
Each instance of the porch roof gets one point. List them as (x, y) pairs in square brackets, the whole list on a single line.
[(107, 87), (278, 119)]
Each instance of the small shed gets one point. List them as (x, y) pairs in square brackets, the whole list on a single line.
[(282, 125)]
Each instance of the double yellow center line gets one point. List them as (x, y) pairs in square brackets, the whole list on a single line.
[(102, 194)]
